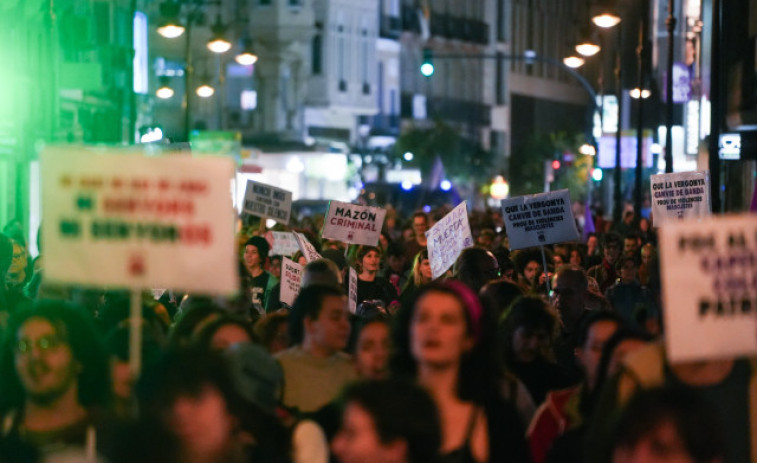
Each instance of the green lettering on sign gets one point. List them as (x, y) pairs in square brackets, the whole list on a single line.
[(70, 228), (84, 203)]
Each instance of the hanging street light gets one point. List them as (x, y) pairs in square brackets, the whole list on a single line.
[(170, 27), (164, 92), (246, 57), (605, 16), (587, 46), (205, 91), (573, 61), (217, 42)]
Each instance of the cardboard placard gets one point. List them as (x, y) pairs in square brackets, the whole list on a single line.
[(538, 220), (291, 281), (353, 291), (131, 221), (284, 244), (352, 223), (447, 239), (709, 282), (267, 201), (680, 195), (307, 248)]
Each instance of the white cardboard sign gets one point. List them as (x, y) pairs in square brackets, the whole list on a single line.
[(447, 239), (538, 220), (352, 223), (267, 201), (307, 248), (131, 221), (353, 291), (709, 282), (284, 244), (291, 281), (680, 195)]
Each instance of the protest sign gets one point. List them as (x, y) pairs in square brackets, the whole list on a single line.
[(307, 248), (291, 281), (447, 239), (538, 220), (267, 201), (681, 195), (284, 244), (709, 282), (351, 223), (353, 291), (131, 221)]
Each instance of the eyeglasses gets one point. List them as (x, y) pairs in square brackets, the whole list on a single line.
[(44, 344)]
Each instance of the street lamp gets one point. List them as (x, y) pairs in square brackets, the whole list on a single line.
[(573, 61), (170, 27), (246, 57), (164, 91), (637, 93), (605, 16), (218, 42), (587, 46), (670, 22)]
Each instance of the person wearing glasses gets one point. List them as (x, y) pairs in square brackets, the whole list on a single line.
[(54, 381), (569, 296)]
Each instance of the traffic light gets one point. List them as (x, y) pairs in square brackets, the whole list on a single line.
[(427, 68)]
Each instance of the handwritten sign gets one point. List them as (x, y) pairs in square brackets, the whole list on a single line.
[(680, 195), (353, 291), (284, 244), (131, 221), (709, 283), (291, 281), (447, 239), (351, 223), (307, 248), (537, 220), (267, 201)]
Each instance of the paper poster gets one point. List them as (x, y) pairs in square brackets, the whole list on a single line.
[(353, 291), (267, 201), (709, 283), (447, 239), (291, 281), (354, 224), (680, 195), (307, 248), (131, 221), (284, 244), (538, 220)]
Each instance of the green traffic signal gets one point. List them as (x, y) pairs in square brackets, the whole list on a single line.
[(427, 68)]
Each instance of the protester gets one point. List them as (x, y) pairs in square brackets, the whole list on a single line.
[(54, 381), (272, 332), (527, 334), (475, 267), (569, 294), (568, 409), (604, 272), (372, 344), (631, 300), (315, 368), (323, 271), (388, 421), (258, 282), (418, 242), (669, 425), (222, 333), (395, 271), (370, 286), (420, 274), (437, 344)]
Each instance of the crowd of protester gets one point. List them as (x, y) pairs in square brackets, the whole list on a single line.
[(480, 365)]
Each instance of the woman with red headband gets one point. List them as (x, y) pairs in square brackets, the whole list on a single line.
[(438, 344)]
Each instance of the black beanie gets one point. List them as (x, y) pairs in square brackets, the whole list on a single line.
[(260, 243)]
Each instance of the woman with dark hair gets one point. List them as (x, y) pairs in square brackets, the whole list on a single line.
[(370, 286), (224, 332), (193, 411), (388, 421), (527, 333), (194, 312), (420, 274), (272, 331), (669, 424), (437, 343), (475, 267)]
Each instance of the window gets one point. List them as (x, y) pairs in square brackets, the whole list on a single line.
[(316, 55)]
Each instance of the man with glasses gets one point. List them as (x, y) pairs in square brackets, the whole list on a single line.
[(53, 376), (569, 292)]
